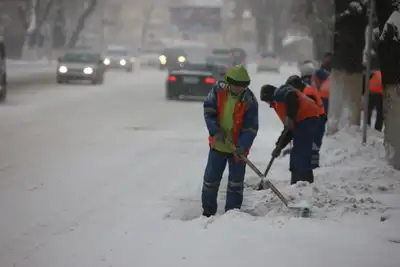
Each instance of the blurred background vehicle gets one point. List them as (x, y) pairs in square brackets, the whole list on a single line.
[(238, 55), (180, 52), (81, 65), (192, 81), (172, 58), (225, 61), (119, 57), (268, 61)]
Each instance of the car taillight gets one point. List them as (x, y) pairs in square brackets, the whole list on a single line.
[(230, 54), (210, 80), (172, 78)]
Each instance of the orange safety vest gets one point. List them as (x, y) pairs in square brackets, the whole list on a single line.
[(238, 115), (307, 108), (325, 89), (311, 91), (375, 83)]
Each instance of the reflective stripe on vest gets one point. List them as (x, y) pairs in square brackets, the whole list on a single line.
[(307, 108), (311, 91), (375, 83)]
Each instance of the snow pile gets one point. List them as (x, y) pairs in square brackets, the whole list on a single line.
[(352, 179)]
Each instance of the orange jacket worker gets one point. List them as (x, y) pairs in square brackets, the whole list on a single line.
[(300, 116)]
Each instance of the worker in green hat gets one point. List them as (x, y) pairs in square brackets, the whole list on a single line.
[(231, 116)]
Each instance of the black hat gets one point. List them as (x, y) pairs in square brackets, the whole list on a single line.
[(296, 82), (267, 92)]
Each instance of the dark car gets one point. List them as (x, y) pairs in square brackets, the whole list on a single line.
[(193, 81), (3, 72), (119, 58), (81, 65), (172, 58)]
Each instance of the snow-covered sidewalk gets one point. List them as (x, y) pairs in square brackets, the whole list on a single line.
[(355, 220)]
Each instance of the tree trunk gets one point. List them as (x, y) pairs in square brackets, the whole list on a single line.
[(344, 100), (261, 31), (81, 23), (389, 53), (346, 77), (36, 34)]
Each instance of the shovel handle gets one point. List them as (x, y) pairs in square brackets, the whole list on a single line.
[(270, 185), (261, 175)]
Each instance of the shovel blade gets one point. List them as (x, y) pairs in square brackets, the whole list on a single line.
[(302, 209), (303, 212)]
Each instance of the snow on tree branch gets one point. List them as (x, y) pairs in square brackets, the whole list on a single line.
[(392, 26), (353, 9)]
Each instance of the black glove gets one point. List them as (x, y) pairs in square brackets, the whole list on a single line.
[(277, 152), (219, 136)]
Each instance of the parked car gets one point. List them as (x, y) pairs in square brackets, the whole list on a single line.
[(119, 57), (3, 72), (268, 61), (81, 65)]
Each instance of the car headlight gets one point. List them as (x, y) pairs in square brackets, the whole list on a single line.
[(88, 70), (122, 62), (163, 59), (107, 61), (62, 69), (181, 59)]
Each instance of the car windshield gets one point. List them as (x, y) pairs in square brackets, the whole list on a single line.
[(174, 52), (82, 57), (269, 55), (117, 52), (196, 54), (221, 51)]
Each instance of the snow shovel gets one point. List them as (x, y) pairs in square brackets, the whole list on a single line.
[(262, 185), (301, 211)]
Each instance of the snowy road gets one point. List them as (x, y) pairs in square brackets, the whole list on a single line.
[(111, 176)]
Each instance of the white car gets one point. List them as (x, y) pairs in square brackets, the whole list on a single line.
[(269, 61)]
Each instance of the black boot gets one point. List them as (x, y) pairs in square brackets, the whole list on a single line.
[(208, 214), (309, 177), (294, 178), (306, 177)]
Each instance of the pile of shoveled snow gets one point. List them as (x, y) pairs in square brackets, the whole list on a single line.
[(352, 179)]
